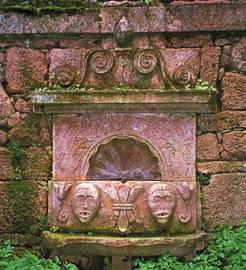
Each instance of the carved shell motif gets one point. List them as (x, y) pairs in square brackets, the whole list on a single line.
[(123, 158)]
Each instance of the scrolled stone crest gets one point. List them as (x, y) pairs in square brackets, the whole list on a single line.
[(184, 76), (101, 61), (145, 60), (64, 75)]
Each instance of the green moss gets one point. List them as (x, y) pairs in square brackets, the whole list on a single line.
[(17, 152), (21, 196), (47, 6), (203, 179)]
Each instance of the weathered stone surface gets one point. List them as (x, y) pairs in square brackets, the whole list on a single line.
[(222, 42), (210, 64), (11, 23), (234, 91), (129, 207), (14, 119), (22, 106), (2, 67), (239, 55), (234, 144), (22, 205), (32, 131), (188, 59), (124, 246), (221, 121), (64, 23), (132, 100), (195, 17), (36, 164), (207, 147), (6, 169), (67, 66), (82, 42), (26, 69), (75, 137), (224, 200), (6, 107), (3, 137), (136, 17), (213, 167), (189, 40)]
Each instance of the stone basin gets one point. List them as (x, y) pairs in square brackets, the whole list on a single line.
[(82, 244)]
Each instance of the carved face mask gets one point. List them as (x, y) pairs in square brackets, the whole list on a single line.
[(86, 202), (162, 202)]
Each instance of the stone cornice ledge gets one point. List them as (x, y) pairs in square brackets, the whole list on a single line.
[(179, 18)]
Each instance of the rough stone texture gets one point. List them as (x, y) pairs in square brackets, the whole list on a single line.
[(78, 23), (239, 55), (210, 64), (173, 139), (213, 167), (32, 131), (23, 203), (187, 58), (6, 169), (234, 91), (207, 147), (224, 200), (189, 41), (234, 144), (2, 67), (221, 121), (3, 137), (26, 69), (82, 42), (36, 164), (11, 23), (14, 119), (22, 106), (6, 107), (67, 66)]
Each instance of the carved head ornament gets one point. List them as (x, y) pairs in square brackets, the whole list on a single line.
[(162, 203), (86, 202)]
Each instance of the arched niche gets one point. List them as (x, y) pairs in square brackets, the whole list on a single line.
[(123, 158)]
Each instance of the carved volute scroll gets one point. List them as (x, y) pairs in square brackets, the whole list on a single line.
[(146, 67), (123, 159), (185, 76), (101, 61), (86, 202), (162, 203), (145, 60)]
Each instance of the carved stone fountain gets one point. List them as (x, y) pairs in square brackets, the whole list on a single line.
[(124, 148)]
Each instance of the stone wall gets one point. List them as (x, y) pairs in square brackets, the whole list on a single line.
[(27, 46)]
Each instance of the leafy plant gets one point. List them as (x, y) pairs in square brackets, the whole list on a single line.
[(203, 179), (227, 251), (28, 261)]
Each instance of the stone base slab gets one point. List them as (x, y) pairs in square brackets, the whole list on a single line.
[(77, 245)]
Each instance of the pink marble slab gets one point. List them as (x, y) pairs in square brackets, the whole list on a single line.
[(170, 139)]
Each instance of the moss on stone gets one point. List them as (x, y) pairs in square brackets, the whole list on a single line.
[(45, 6)]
